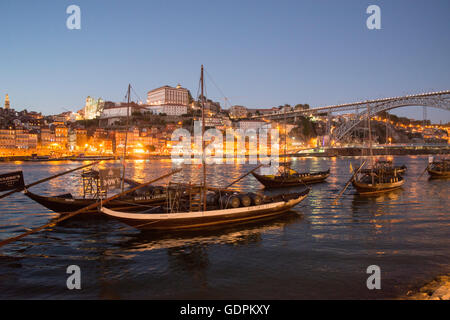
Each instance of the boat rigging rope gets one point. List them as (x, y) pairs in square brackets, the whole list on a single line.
[(217, 87)]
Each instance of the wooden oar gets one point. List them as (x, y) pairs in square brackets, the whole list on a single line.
[(243, 176), (89, 207), (424, 171), (46, 179), (348, 183)]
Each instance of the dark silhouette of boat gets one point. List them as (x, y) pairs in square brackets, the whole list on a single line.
[(66, 203), (291, 178), (381, 177), (377, 182), (439, 169), (225, 210)]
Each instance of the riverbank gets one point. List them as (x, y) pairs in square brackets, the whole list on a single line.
[(47, 159), (318, 152), (377, 151), (438, 289)]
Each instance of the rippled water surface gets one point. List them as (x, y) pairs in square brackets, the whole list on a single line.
[(319, 250)]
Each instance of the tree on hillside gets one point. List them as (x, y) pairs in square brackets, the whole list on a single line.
[(190, 99), (302, 106)]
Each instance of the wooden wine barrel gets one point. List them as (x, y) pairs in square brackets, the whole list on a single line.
[(245, 200), (257, 199), (230, 201)]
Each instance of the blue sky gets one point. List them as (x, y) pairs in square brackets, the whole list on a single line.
[(259, 53)]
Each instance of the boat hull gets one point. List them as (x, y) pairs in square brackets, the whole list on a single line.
[(368, 189), (435, 174), (65, 206), (284, 182), (204, 219)]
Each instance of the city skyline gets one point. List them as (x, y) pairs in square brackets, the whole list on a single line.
[(260, 54)]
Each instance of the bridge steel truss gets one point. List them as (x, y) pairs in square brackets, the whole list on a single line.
[(439, 100)]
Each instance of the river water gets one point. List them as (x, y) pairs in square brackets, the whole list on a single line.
[(317, 251)]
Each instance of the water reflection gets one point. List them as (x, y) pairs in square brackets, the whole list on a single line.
[(322, 253), (230, 235)]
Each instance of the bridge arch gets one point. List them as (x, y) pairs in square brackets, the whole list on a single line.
[(440, 102)]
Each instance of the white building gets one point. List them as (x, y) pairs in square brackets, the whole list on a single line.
[(117, 111), (168, 100), (167, 95), (93, 108), (251, 124), (170, 110)]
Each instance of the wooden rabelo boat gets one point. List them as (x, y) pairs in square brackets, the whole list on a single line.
[(66, 203), (93, 192), (381, 177), (439, 169), (291, 178), (286, 176), (377, 182), (201, 206), (227, 209)]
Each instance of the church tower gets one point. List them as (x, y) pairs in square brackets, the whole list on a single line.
[(7, 102)]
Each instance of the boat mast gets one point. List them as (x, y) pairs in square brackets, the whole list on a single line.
[(285, 138), (370, 144), (387, 135), (126, 138), (203, 141), (370, 135)]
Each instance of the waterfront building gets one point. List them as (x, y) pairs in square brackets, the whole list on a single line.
[(7, 138), (47, 137), (17, 138), (21, 139), (81, 137), (61, 135)]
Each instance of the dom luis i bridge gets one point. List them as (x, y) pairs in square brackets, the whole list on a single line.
[(362, 110)]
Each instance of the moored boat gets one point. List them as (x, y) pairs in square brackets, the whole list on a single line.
[(381, 177), (439, 169), (291, 178), (369, 184), (66, 203), (159, 219)]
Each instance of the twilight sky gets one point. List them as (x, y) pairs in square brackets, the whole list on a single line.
[(259, 53)]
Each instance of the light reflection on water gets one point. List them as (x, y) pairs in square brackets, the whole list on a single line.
[(319, 251)]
